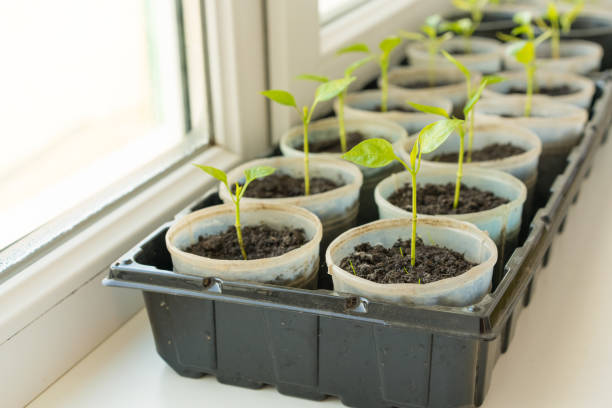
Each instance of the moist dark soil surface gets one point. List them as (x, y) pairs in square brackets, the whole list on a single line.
[(389, 265), (333, 145), (425, 84), (437, 199), (260, 241), (395, 108), (283, 185), (551, 91), (494, 151)]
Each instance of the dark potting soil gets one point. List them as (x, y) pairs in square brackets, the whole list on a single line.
[(389, 265), (494, 151), (437, 199), (548, 91), (284, 185), (260, 241), (426, 84), (395, 108), (333, 145)]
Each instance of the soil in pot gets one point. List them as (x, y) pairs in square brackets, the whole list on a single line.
[(437, 199), (260, 241), (561, 90), (427, 84), (333, 145), (283, 185), (495, 151), (390, 265), (396, 108)]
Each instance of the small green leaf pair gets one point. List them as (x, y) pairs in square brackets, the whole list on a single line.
[(250, 175), (557, 23)]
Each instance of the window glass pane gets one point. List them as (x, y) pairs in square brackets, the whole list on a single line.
[(91, 91), (329, 10)]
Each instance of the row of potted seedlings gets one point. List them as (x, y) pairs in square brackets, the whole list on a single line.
[(451, 197)]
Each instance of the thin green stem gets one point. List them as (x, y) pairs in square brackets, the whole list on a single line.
[(470, 137), (341, 121), (414, 219), (530, 81), (239, 231), (555, 40), (384, 88), (306, 162), (459, 167)]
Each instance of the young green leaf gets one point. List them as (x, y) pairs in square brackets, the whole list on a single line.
[(282, 97), (462, 5), (216, 173), (459, 65), (507, 38), (412, 36), (349, 71), (551, 12), (257, 172), (311, 77), (371, 153), (354, 48), (486, 81), (434, 134), (568, 18), (434, 110), (433, 21), (522, 18), (388, 44), (331, 89), (526, 53)]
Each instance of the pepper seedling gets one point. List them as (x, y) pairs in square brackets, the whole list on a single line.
[(379, 152), (249, 175), (386, 46), (525, 50), (472, 97), (326, 91), (432, 41), (467, 26), (558, 22)]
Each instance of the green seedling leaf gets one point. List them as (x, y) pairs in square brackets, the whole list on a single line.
[(486, 81), (257, 172), (216, 173), (507, 38), (354, 48), (459, 65), (551, 12), (431, 32), (520, 30), (311, 77), (331, 89), (434, 134), (413, 36), (525, 54), (349, 71), (462, 5), (522, 18), (371, 153), (388, 44), (433, 21), (460, 26), (568, 18), (282, 97), (434, 110)]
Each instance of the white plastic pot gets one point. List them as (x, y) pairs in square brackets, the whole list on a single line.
[(583, 87), (578, 56), (337, 209), (486, 55), (502, 223), (465, 289), (558, 125), (326, 129), (296, 268), (361, 105), (456, 91)]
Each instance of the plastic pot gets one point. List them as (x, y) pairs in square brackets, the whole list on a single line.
[(495, 19), (296, 268), (502, 223), (486, 55), (595, 24), (455, 88), (558, 125), (583, 88), (578, 56), (463, 237), (337, 209), (361, 105), (326, 129)]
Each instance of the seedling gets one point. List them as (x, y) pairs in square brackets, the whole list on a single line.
[(525, 50), (379, 153), (326, 91), (467, 26), (557, 23), (432, 41), (386, 46), (472, 97), (249, 175)]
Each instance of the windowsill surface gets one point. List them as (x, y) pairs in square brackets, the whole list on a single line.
[(560, 355)]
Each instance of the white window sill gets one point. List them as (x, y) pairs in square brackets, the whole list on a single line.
[(559, 357)]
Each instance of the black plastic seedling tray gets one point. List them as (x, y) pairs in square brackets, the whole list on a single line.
[(315, 343)]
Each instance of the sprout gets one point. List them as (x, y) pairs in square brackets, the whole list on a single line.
[(250, 175), (379, 153), (467, 26), (386, 46), (432, 41), (557, 23), (326, 91)]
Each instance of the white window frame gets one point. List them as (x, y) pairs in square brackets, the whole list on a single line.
[(55, 310), (298, 44)]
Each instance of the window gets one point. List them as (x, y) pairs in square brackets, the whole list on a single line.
[(329, 10)]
